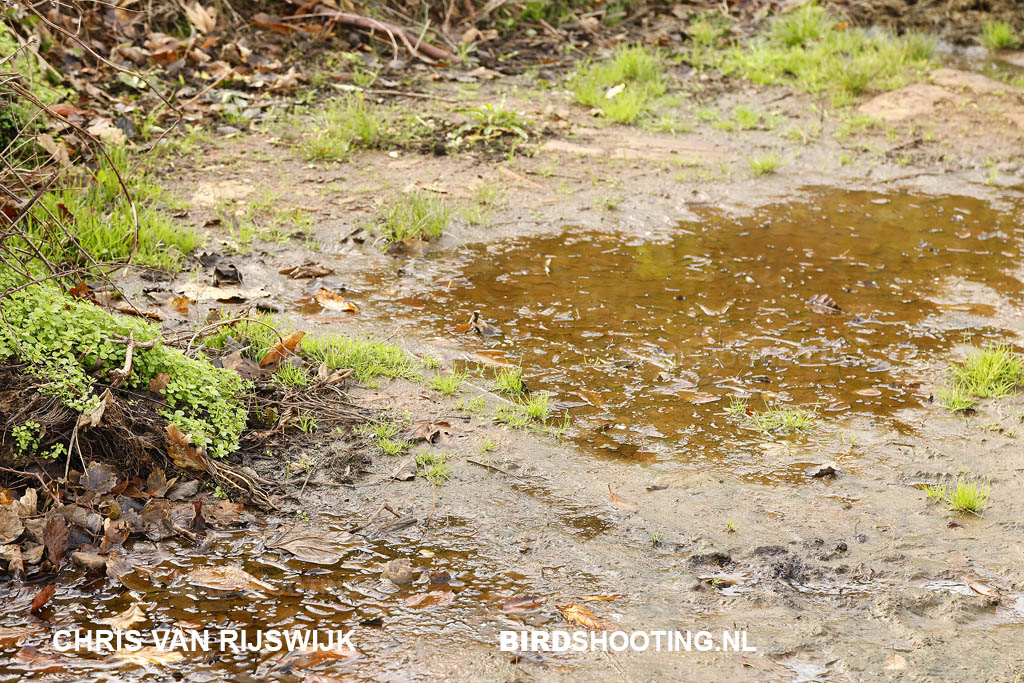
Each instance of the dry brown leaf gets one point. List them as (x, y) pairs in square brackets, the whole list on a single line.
[(15, 635), (10, 526), (335, 302), (28, 503), (613, 596), (823, 303), (203, 18), (620, 503), (55, 538), (982, 589), (246, 368), (579, 615), (181, 452), (181, 304), (159, 383), (126, 619), (282, 349), (227, 578), (303, 659), (311, 545), (99, 478)]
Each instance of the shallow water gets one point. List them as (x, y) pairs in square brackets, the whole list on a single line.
[(647, 340)]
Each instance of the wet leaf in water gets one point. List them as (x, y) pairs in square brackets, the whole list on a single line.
[(311, 545), (823, 303), (32, 659), (147, 656), (164, 519), (620, 503), (579, 615), (398, 571), (126, 619), (717, 311), (43, 597), (431, 599), (99, 478), (871, 391), (55, 538), (224, 513), (335, 302), (702, 397), (821, 471), (982, 589), (303, 659), (724, 579), (90, 562), (282, 349), (523, 603), (15, 635), (307, 271), (593, 398), (227, 578), (613, 596), (10, 526)]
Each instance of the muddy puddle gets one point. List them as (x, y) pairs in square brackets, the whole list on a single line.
[(830, 304), (455, 592)]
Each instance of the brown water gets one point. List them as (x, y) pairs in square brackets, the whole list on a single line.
[(348, 597), (647, 340)]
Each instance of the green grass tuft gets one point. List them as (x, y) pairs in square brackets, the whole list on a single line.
[(765, 164), (368, 359), (636, 69), (998, 35), (990, 372), (447, 385), (509, 381), (416, 215), (773, 419), (346, 124), (963, 495), (434, 467)]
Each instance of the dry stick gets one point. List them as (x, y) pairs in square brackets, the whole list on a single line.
[(121, 375), (359, 21), (37, 476)]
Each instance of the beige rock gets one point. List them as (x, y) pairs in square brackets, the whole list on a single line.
[(913, 101)]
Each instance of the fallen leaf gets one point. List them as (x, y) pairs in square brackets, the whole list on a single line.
[(148, 655), (55, 538), (823, 303), (231, 294), (335, 302), (226, 274), (613, 596), (99, 478), (431, 599), (702, 397), (181, 452), (15, 635), (94, 418), (245, 368), (871, 391), (716, 312), (476, 324), (398, 571), (523, 603), (439, 433), (181, 304), (32, 659), (895, 662), (307, 271), (203, 18), (620, 503), (126, 619), (982, 589), (12, 555), (28, 503), (227, 578), (724, 579), (303, 659), (311, 545), (158, 384), (43, 596), (282, 349), (10, 526), (224, 513), (581, 616)]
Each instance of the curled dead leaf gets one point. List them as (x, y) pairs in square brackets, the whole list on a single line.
[(335, 302), (620, 503), (227, 578), (578, 615), (126, 619), (282, 349)]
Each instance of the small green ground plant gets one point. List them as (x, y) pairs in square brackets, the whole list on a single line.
[(434, 467), (765, 164), (102, 221), (807, 48), (773, 419), (989, 372), (386, 435), (416, 215), (369, 359), (962, 495), (346, 124), (68, 342), (624, 87), (998, 35), (509, 381), (447, 385)]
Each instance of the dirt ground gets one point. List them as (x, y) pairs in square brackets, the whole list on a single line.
[(853, 577)]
